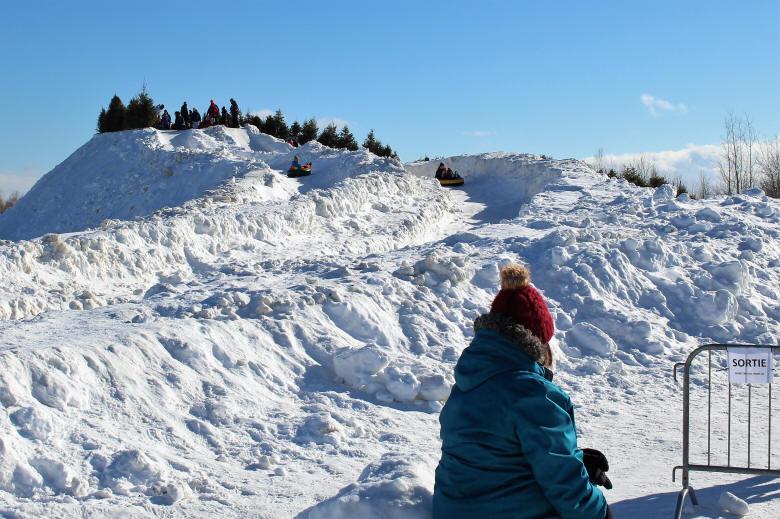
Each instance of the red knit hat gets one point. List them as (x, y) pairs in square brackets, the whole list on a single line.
[(522, 302)]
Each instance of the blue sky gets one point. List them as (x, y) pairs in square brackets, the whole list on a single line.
[(439, 78)]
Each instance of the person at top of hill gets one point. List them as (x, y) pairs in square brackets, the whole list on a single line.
[(165, 120), (178, 123), (213, 111), (185, 114), (195, 118), (224, 118), (509, 443), (440, 171), (235, 114)]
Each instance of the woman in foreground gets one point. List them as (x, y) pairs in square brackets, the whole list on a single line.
[(509, 444)]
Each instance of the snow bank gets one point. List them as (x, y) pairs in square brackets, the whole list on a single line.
[(251, 350), (391, 488), (502, 182)]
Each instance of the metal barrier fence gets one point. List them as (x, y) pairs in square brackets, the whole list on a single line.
[(687, 467)]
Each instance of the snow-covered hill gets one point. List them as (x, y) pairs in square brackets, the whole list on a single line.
[(253, 345)]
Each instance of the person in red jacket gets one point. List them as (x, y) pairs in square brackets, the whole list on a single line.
[(213, 111)]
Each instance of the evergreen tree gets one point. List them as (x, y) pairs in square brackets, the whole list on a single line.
[(141, 112), (347, 140), (114, 120), (329, 136), (295, 130), (101, 124), (280, 128), (309, 131), (255, 121), (376, 147), (371, 144)]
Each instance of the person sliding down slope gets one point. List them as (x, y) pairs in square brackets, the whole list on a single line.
[(441, 171), (509, 444)]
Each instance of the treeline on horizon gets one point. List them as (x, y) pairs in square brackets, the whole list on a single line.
[(746, 161), (141, 112)]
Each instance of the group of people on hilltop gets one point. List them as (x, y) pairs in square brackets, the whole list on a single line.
[(185, 118), (445, 173)]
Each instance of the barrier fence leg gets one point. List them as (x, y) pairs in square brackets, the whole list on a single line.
[(681, 501)]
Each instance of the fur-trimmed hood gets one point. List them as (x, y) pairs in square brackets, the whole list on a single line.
[(518, 334), (499, 345)]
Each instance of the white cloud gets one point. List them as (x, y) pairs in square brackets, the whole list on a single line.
[(477, 133), (265, 112), (686, 163), (10, 183), (322, 122), (657, 106)]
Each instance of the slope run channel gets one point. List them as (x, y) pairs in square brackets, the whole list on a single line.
[(497, 184), (372, 213)]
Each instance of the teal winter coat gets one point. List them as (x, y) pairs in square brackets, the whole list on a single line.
[(509, 445)]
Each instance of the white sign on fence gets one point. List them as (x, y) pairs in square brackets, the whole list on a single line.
[(750, 365)]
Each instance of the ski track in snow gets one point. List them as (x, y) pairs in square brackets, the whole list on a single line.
[(209, 337)]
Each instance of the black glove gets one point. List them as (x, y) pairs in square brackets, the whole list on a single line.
[(597, 465)]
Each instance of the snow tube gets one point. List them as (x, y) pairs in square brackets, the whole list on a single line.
[(451, 182), (303, 171)]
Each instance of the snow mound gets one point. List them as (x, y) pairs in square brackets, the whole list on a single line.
[(125, 175), (502, 182), (272, 345), (730, 503), (391, 488)]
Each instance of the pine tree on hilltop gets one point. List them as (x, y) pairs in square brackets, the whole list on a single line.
[(113, 119), (371, 144), (141, 112), (280, 126), (101, 123), (255, 121), (347, 140), (295, 131), (309, 131), (329, 136), (376, 147)]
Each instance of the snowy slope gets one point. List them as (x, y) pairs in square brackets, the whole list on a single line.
[(253, 345)]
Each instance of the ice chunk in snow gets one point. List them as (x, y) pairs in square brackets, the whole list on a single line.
[(132, 466), (356, 367), (59, 477), (319, 428), (708, 214), (391, 488), (590, 340), (435, 388), (33, 423), (730, 503), (663, 193), (403, 385), (754, 191)]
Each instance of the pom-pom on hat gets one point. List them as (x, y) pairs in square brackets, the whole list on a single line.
[(523, 303)]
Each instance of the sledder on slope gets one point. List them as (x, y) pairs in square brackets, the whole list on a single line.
[(298, 170), (447, 177)]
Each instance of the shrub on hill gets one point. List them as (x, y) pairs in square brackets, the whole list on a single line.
[(141, 112), (329, 136), (376, 147), (113, 119), (7, 203), (346, 140), (309, 131)]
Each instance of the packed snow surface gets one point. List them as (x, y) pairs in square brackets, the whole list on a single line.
[(211, 338)]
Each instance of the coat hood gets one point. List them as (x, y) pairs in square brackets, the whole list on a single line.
[(499, 345)]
